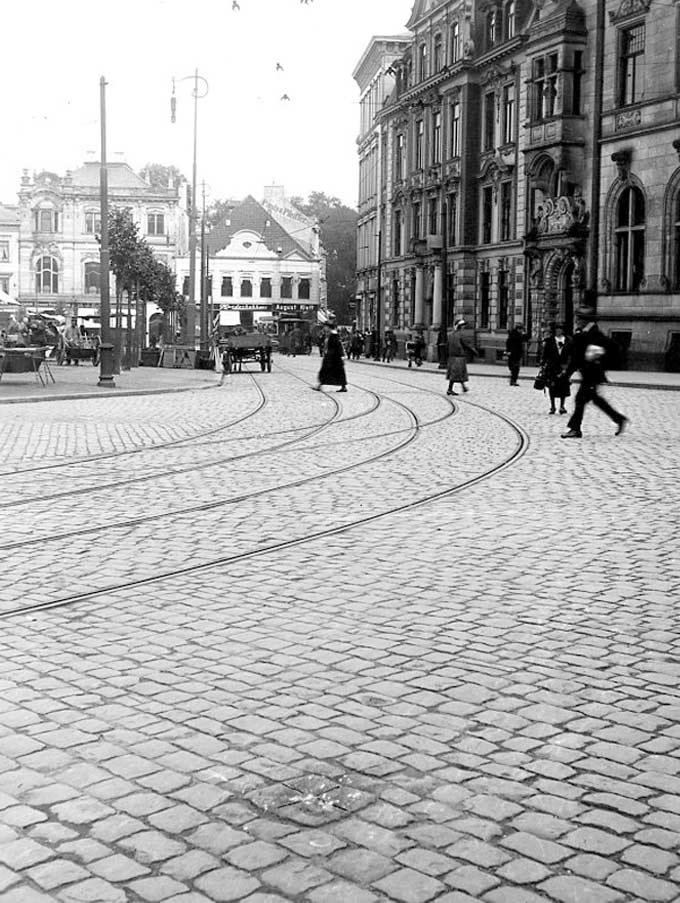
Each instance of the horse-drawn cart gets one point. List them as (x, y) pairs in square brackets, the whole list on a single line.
[(245, 347), (86, 350)]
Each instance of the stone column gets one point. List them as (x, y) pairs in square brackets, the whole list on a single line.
[(419, 312), (437, 297)]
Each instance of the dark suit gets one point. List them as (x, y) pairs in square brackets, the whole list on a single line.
[(554, 363), (592, 374)]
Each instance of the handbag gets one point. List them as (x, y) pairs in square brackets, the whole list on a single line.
[(540, 382)]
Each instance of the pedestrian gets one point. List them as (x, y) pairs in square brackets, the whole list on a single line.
[(226, 364), (555, 355), (590, 352), (332, 372), (72, 341), (389, 347), (514, 347), (457, 351), (356, 346), (420, 347)]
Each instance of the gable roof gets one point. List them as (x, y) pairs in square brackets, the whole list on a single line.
[(254, 217)]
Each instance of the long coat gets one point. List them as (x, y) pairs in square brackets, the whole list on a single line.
[(332, 372), (554, 361), (458, 349)]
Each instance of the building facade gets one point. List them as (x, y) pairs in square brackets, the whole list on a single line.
[(9, 250), (60, 223), (264, 258), (526, 151)]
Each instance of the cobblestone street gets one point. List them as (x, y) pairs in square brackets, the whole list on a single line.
[(265, 644)]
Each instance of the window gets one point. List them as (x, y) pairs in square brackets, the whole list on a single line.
[(487, 213), (4, 284), (455, 42), (544, 87), (420, 133), (396, 230), (227, 290), (437, 53), (395, 301), (46, 220), (484, 299), (246, 288), (304, 289), (185, 286), (155, 224), (47, 276), (422, 62), (503, 296), (93, 222), (437, 138), (510, 24), (675, 264), (92, 278), (489, 120), (399, 158), (287, 287), (4, 250), (265, 287), (630, 241), (433, 216), (631, 62), (451, 209), (455, 129), (491, 28), (416, 221), (506, 211), (577, 77), (508, 114)]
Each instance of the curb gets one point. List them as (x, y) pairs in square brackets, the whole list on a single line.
[(106, 393)]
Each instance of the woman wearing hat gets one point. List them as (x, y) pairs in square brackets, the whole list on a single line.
[(332, 372), (458, 349)]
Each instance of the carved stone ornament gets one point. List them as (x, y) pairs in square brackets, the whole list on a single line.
[(627, 119), (559, 215), (622, 160), (628, 8)]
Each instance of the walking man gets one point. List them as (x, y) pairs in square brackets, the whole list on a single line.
[(589, 355), (458, 350), (514, 347)]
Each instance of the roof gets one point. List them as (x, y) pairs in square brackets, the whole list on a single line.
[(254, 217), (120, 175), (9, 215)]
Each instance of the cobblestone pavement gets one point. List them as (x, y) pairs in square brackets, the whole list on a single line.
[(458, 681)]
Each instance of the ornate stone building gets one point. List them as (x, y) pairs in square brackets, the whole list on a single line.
[(9, 250), (525, 154), (60, 222)]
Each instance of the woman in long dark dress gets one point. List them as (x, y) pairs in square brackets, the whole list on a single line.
[(332, 372)]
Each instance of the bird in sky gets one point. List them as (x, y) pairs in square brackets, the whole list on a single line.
[(234, 4), (285, 97), (279, 67), (305, 1)]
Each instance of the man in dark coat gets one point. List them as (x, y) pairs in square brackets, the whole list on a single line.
[(514, 347), (589, 352)]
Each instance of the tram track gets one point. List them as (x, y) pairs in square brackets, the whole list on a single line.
[(232, 500), (521, 446)]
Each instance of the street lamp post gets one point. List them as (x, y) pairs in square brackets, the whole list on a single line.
[(105, 348), (193, 214)]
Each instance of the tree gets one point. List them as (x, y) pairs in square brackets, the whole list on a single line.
[(218, 211), (160, 176), (337, 224)]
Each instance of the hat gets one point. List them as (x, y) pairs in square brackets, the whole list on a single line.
[(460, 322), (585, 313)]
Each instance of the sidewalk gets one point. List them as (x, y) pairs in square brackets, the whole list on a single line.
[(81, 382), (636, 379)]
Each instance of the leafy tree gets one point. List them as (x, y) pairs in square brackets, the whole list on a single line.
[(160, 176), (218, 211), (337, 224)]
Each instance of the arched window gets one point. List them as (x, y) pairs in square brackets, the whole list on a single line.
[(510, 27), (437, 59), (491, 28), (47, 276), (92, 274), (422, 62), (629, 240), (676, 244)]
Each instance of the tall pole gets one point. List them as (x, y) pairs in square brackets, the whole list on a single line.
[(204, 282), (378, 297), (191, 309), (444, 326), (105, 348)]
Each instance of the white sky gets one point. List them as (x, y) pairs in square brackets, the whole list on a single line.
[(54, 54)]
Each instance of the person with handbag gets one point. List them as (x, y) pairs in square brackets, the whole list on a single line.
[(590, 350), (555, 356)]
